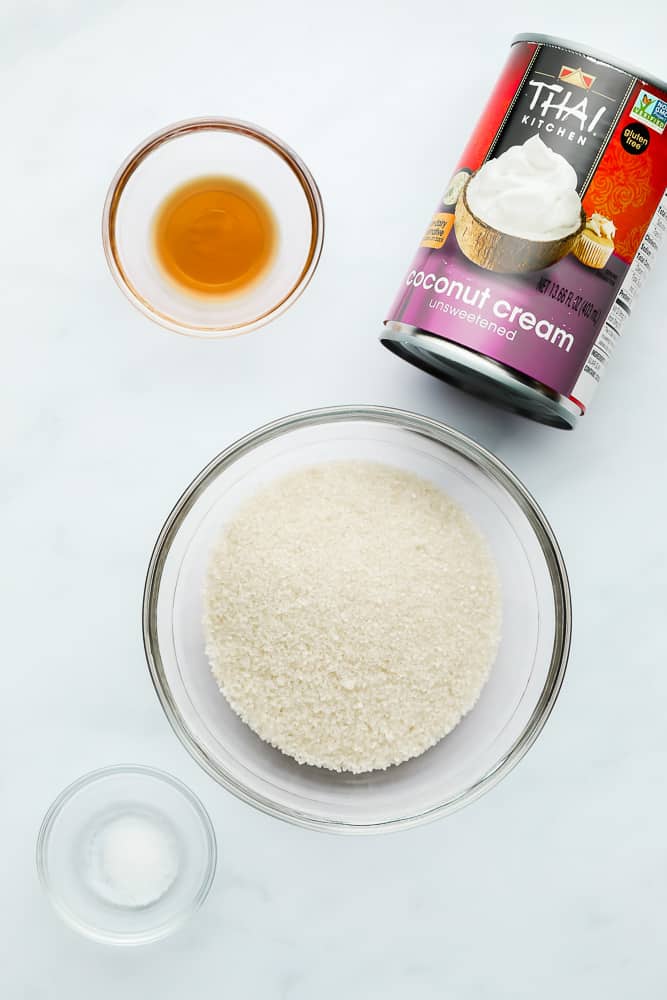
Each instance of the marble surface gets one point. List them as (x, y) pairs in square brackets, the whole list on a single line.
[(553, 884)]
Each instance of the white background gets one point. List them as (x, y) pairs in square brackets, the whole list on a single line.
[(551, 886)]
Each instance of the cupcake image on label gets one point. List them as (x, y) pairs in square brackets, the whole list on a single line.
[(596, 244), (521, 211)]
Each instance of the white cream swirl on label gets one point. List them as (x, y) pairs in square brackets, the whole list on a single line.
[(529, 191)]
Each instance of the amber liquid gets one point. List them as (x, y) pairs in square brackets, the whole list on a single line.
[(215, 235)]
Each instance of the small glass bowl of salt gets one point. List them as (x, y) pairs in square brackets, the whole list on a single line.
[(126, 854)]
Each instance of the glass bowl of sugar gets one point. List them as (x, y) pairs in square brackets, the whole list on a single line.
[(274, 653), (212, 227), (126, 854)]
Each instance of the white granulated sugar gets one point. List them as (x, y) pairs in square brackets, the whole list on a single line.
[(352, 615)]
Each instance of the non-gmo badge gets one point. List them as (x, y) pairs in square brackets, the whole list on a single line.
[(651, 110)]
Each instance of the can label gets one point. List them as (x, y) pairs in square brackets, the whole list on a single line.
[(549, 222)]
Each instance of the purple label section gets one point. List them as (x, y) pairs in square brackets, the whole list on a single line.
[(542, 324)]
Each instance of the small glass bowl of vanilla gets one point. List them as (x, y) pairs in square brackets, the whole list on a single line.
[(212, 227)]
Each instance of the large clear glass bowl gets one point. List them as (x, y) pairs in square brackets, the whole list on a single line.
[(524, 681)]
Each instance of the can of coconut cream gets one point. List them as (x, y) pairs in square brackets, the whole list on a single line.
[(531, 263)]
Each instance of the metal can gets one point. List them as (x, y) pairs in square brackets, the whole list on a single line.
[(531, 263)]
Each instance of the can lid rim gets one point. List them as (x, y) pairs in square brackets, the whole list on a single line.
[(592, 53)]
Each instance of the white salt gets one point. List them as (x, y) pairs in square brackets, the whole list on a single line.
[(133, 860)]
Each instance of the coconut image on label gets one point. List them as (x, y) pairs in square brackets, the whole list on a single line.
[(530, 264), (521, 211)]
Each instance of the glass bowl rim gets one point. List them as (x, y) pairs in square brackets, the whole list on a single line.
[(68, 916), (436, 431), (185, 127)]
